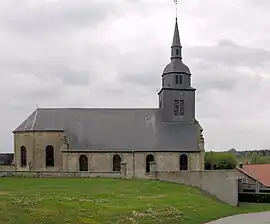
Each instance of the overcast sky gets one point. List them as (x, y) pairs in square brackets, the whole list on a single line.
[(86, 53)]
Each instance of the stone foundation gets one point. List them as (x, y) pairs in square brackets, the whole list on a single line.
[(7, 167), (55, 174)]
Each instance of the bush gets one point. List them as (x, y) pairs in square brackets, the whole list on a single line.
[(257, 198), (219, 161)]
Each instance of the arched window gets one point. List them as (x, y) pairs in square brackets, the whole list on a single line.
[(49, 156), (116, 163), (183, 162), (149, 158), (23, 156), (83, 162)]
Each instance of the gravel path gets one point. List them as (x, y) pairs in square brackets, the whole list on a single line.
[(251, 218)]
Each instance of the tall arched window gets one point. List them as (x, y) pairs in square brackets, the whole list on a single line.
[(83, 162), (116, 163), (149, 158), (183, 162), (49, 156), (23, 156)]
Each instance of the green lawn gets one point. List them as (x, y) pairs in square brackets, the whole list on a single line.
[(49, 201)]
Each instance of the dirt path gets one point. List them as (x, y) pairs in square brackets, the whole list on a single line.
[(251, 218)]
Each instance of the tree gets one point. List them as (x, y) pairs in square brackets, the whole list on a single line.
[(233, 150), (258, 159), (209, 160), (225, 161), (220, 160)]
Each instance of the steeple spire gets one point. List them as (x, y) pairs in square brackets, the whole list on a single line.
[(176, 36), (176, 51), (176, 65)]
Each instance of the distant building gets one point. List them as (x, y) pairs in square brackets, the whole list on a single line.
[(97, 139), (6, 161)]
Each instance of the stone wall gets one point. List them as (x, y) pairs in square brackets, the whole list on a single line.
[(35, 144), (55, 174), (221, 184), (7, 167), (135, 162), (65, 160)]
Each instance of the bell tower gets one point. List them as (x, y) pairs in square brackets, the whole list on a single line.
[(177, 97)]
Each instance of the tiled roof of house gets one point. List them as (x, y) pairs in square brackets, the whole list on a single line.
[(261, 172)]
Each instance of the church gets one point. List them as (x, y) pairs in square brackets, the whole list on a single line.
[(99, 140)]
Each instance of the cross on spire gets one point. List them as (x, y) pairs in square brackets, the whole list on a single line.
[(176, 8), (176, 51)]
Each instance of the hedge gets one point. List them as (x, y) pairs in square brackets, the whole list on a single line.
[(257, 198)]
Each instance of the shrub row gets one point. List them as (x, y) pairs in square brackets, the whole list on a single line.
[(257, 198)]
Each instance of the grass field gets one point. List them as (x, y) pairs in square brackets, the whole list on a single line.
[(51, 201)]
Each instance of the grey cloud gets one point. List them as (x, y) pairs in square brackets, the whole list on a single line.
[(224, 84), (262, 3), (229, 53), (46, 17), (233, 89), (39, 95), (147, 79), (213, 67), (211, 74), (144, 70), (65, 53), (50, 72), (227, 67), (221, 78), (71, 76)]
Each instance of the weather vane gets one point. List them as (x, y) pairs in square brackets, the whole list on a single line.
[(176, 7)]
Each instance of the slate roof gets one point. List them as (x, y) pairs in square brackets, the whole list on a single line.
[(176, 35), (258, 172), (176, 65), (114, 129), (6, 158)]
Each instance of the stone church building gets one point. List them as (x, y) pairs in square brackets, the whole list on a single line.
[(99, 140)]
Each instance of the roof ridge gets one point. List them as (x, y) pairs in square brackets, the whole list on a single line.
[(35, 119), (98, 108)]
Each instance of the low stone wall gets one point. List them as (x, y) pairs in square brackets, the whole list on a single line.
[(51, 174), (7, 167), (221, 184)]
